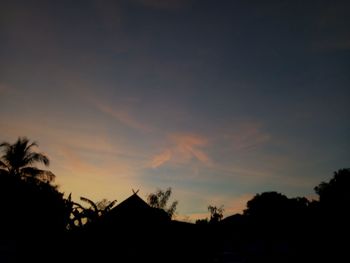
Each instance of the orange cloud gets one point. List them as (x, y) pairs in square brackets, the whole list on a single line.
[(161, 158), (182, 149)]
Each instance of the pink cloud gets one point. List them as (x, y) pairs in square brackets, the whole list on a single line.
[(183, 148)]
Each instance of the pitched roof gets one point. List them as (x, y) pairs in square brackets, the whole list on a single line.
[(134, 210), (131, 204)]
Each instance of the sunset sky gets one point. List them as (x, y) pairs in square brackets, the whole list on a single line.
[(217, 99)]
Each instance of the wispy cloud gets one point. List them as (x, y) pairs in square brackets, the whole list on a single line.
[(161, 158), (247, 136), (123, 116), (183, 148)]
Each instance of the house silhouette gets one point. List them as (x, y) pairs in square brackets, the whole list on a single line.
[(134, 212), (131, 230)]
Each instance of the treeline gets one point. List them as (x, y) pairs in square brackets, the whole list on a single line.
[(38, 223)]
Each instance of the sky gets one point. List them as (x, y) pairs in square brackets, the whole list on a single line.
[(217, 99)]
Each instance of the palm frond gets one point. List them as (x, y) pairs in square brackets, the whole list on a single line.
[(31, 171), (40, 175), (28, 147), (37, 157), (90, 202), (21, 146), (46, 176)]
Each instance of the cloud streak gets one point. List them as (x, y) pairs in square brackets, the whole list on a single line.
[(123, 116), (182, 149), (247, 136)]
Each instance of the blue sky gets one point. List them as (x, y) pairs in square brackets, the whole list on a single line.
[(217, 99)]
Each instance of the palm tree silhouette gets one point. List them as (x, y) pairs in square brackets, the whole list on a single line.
[(19, 160)]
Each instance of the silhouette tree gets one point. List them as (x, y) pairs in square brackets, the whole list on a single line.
[(267, 205), (74, 214), (19, 160), (35, 214), (160, 199), (332, 213), (91, 213), (334, 203), (81, 215), (335, 194), (216, 213)]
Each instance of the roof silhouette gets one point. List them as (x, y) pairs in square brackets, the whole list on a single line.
[(135, 211), (132, 204)]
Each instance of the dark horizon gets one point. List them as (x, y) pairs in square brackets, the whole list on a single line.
[(219, 100), (41, 225)]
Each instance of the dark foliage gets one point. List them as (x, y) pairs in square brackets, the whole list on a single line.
[(38, 224), (216, 214), (160, 199)]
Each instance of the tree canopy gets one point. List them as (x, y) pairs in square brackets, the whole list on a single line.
[(160, 199)]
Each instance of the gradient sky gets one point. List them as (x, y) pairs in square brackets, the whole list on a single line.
[(217, 99)]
